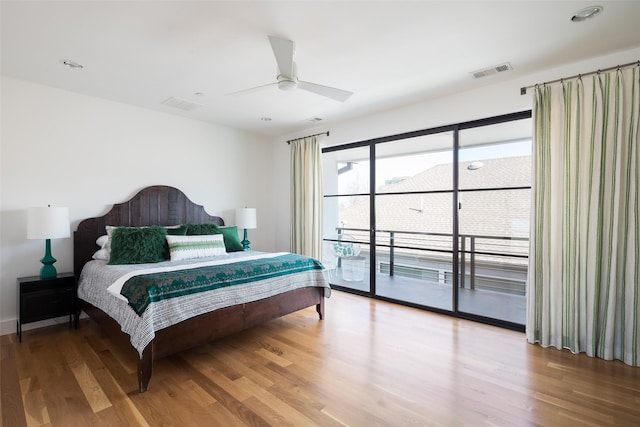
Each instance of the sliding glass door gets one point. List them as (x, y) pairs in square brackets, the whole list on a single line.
[(437, 218)]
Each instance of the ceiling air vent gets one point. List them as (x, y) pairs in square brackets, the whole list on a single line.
[(492, 70), (181, 104)]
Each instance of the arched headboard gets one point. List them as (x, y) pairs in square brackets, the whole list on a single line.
[(156, 205)]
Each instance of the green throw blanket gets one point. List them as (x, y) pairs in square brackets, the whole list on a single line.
[(147, 288)]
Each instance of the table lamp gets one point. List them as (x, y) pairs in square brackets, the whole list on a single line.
[(246, 218), (48, 223)]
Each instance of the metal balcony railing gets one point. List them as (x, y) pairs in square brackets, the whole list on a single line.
[(501, 259)]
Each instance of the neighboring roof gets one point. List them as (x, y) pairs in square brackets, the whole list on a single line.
[(489, 213)]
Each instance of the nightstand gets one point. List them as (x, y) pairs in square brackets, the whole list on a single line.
[(41, 299)]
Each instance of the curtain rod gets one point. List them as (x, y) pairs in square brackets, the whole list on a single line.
[(308, 136), (523, 90)]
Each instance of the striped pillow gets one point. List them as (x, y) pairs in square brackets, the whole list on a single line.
[(189, 247)]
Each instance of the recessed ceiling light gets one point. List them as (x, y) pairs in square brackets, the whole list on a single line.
[(71, 64), (587, 13)]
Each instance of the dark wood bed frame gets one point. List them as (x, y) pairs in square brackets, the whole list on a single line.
[(163, 205)]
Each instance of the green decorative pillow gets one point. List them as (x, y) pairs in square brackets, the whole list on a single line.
[(231, 239), (230, 233), (138, 245), (179, 230), (202, 229)]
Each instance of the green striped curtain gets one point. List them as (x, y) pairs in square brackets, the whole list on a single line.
[(584, 265), (306, 196)]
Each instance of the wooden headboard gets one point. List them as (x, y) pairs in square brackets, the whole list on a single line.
[(156, 205)]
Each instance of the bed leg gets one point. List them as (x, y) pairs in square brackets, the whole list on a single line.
[(320, 308), (145, 367)]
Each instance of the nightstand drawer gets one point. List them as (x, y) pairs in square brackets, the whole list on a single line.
[(46, 304), (41, 299)]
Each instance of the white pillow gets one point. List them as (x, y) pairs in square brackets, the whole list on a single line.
[(102, 241), (109, 229), (189, 247), (101, 254)]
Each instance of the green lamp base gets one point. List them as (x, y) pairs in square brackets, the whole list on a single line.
[(48, 271), (245, 242)]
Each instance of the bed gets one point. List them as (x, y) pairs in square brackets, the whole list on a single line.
[(164, 329)]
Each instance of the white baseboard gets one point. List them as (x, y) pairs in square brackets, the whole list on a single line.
[(10, 326)]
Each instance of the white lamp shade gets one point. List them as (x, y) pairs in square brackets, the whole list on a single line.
[(246, 218), (48, 223)]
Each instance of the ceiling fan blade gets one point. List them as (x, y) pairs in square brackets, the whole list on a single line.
[(329, 92), (251, 89), (283, 51)]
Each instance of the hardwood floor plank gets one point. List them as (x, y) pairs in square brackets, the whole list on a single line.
[(220, 394), (11, 406), (239, 361), (185, 407), (298, 398), (368, 363), (197, 394), (274, 355), (220, 379), (127, 380), (62, 395), (35, 409), (265, 396), (122, 406), (267, 413), (90, 387), (121, 411)]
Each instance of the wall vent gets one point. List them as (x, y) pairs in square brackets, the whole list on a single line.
[(181, 104), (492, 70)]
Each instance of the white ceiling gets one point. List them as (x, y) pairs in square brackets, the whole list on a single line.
[(390, 53)]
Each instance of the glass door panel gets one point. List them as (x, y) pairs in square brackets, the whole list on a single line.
[(494, 205), (346, 218), (414, 220)]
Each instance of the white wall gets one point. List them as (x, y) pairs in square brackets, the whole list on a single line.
[(86, 153), (496, 97)]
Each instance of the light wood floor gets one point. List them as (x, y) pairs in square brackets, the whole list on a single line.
[(369, 363)]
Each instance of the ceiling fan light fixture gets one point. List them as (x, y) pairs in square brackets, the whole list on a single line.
[(286, 84)]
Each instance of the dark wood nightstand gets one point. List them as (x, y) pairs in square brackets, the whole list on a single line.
[(41, 299)]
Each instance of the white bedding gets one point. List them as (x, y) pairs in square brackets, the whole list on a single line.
[(97, 276)]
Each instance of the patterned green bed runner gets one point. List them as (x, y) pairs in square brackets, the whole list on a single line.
[(147, 288)]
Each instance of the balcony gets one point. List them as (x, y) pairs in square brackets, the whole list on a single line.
[(417, 268)]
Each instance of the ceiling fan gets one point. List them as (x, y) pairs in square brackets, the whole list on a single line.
[(287, 78)]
